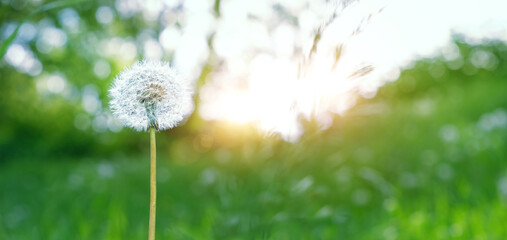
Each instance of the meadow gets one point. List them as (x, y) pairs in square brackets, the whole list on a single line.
[(423, 159)]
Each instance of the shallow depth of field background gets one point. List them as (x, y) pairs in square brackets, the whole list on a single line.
[(420, 156)]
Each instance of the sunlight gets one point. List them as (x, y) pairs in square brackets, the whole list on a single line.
[(273, 76)]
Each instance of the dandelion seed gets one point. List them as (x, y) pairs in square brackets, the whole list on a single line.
[(149, 94)]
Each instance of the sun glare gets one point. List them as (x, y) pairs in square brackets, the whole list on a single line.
[(292, 76), (274, 72)]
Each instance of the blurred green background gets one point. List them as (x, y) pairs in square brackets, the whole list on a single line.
[(423, 159)]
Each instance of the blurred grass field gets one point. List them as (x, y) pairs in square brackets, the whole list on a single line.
[(424, 159)]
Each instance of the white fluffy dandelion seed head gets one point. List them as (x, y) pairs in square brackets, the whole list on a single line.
[(149, 94)]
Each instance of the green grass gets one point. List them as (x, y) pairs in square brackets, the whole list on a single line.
[(423, 168)]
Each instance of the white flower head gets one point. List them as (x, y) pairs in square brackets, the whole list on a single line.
[(149, 94)]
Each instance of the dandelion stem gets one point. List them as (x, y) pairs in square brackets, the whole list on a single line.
[(153, 184)]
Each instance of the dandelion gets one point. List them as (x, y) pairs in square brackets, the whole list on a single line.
[(150, 96)]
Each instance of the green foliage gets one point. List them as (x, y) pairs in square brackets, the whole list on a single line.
[(44, 8), (43, 124)]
